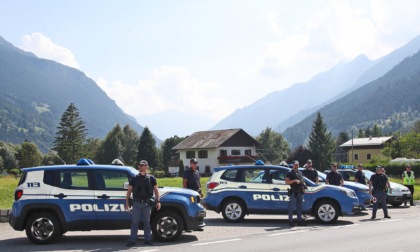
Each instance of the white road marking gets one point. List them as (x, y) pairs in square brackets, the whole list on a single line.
[(207, 243), (290, 232), (352, 225), (392, 220)]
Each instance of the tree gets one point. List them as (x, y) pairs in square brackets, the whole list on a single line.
[(301, 154), (111, 147), (29, 155), (130, 140), (274, 148), (416, 127), (147, 148), (8, 153), (321, 143), (167, 152), (340, 154), (376, 132), (360, 134), (92, 147), (71, 135)]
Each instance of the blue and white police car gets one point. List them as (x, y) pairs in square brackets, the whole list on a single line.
[(236, 191), (51, 200)]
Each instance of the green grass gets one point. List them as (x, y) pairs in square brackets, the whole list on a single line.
[(7, 191)]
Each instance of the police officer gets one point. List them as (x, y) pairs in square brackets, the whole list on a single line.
[(294, 178), (333, 177), (359, 176), (409, 180), (310, 172), (378, 185), (191, 178), (142, 186)]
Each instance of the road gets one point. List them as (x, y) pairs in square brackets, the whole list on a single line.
[(256, 233)]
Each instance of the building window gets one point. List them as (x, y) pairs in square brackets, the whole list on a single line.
[(368, 156), (248, 152), (235, 152), (356, 156), (202, 154), (223, 153), (190, 154)]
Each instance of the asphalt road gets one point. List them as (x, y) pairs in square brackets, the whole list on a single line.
[(255, 233)]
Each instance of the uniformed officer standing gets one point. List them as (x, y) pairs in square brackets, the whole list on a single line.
[(409, 180), (359, 176), (380, 184), (333, 177), (310, 172), (142, 186), (191, 178), (294, 178)]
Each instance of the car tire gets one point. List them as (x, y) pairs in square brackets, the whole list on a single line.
[(396, 204), (43, 228), (233, 211), (326, 211), (167, 226)]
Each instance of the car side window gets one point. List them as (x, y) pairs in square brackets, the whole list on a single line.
[(231, 175), (255, 176), (278, 177), (110, 180), (73, 180)]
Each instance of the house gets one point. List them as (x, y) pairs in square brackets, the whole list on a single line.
[(218, 148), (362, 150)]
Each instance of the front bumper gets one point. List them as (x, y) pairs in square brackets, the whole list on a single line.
[(196, 222), (397, 199)]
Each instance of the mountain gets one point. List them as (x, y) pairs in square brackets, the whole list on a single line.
[(35, 92), (391, 102), (281, 105)]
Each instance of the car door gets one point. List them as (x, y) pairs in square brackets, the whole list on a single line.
[(278, 188), (255, 190), (110, 195), (72, 193)]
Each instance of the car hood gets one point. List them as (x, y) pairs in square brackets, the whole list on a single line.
[(355, 185), (397, 186)]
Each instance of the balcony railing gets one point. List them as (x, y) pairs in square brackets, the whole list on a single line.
[(236, 159)]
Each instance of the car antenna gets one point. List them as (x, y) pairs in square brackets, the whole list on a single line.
[(55, 153)]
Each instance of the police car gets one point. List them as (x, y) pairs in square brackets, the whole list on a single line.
[(362, 191), (51, 200), (236, 191), (396, 197)]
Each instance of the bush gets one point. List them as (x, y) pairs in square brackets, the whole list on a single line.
[(15, 171)]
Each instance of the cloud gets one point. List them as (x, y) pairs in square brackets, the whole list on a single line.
[(43, 47), (168, 88)]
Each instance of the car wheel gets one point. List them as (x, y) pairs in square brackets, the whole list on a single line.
[(233, 211), (326, 211), (167, 226), (396, 204), (42, 228)]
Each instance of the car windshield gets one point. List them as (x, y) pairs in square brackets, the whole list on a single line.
[(368, 174)]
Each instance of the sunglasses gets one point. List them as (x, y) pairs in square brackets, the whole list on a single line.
[(142, 165)]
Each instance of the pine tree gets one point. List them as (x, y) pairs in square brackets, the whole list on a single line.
[(71, 135), (147, 148), (111, 147), (321, 144), (129, 146)]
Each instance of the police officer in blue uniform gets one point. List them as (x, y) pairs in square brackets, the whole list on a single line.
[(191, 178), (380, 184), (142, 186), (359, 176), (294, 178), (333, 177)]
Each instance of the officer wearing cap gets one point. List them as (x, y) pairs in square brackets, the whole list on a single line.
[(294, 178), (333, 177), (142, 186), (359, 176), (409, 180), (191, 178), (310, 172), (378, 185)]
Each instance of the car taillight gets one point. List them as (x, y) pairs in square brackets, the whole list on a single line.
[(18, 194), (211, 186)]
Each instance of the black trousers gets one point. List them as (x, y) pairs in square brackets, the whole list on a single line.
[(411, 188)]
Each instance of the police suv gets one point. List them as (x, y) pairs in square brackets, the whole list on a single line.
[(260, 189), (51, 200)]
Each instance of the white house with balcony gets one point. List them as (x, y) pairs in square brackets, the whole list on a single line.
[(218, 148)]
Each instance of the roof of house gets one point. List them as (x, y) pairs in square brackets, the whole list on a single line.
[(369, 141), (216, 138)]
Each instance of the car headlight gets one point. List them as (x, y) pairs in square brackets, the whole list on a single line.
[(363, 190), (396, 190), (351, 194)]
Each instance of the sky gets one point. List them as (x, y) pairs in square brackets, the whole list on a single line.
[(204, 59)]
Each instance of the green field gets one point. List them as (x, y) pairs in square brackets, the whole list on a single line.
[(9, 183)]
